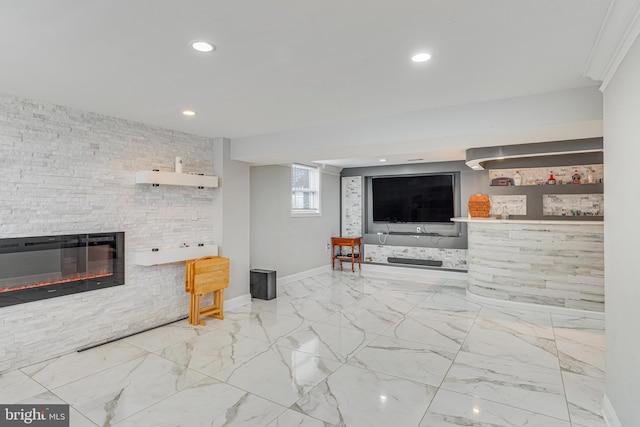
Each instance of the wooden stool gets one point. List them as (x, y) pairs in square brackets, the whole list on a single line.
[(203, 276)]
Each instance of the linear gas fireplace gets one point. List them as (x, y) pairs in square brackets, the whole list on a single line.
[(36, 268)]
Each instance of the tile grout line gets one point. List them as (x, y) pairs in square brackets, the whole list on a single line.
[(564, 388), (444, 377)]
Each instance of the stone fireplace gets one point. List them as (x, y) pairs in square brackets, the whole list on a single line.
[(36, 268)]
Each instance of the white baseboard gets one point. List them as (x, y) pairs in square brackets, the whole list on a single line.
[(370, 269), (609, 414), (375, 269), (303, 275), (237, 301), (535, 307)]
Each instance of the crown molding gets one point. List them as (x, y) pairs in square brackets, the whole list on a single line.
[(620, 28)]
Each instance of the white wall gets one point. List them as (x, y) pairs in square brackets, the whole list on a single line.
[(622, 237), (231, 217), (67, 171), (280, 242)]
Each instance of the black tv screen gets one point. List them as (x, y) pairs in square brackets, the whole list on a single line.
[(420, 198)]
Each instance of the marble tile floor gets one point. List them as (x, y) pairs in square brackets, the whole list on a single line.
[(338, 349)]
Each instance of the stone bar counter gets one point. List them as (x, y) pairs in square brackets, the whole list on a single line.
[(552, 262)]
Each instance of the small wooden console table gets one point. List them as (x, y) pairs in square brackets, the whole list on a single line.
[(354, 256)]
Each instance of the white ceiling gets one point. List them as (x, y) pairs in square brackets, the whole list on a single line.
[(283, 65)]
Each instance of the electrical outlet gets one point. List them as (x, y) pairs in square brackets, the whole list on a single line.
[(328, 247), (418, 229)]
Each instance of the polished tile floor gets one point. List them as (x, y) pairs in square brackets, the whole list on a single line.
[(338, 349)]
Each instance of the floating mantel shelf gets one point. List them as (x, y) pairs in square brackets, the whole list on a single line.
[(174, 178), (167, 256)]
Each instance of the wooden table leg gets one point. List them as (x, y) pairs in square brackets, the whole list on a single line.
[(218, 297), (353, 257), (196, 309), (333, 256)]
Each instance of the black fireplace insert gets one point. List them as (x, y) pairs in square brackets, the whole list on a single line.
[(36, 268)]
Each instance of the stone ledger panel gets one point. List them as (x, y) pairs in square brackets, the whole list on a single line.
[(554, 264), (67, 171), (573, 205), (352, 206), (454, 259), (516, 204)]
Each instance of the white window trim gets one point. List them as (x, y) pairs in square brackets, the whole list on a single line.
[(308, 213), (300, 214)]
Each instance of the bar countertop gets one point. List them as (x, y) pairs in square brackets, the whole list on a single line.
[(526, 221)]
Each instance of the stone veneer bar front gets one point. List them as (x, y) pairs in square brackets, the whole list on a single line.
[(551, 262)]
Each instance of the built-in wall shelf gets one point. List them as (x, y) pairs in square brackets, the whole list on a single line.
[(175, 178), (167, 256), (548, 189)]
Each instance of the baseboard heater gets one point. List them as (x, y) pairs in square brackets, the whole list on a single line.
[(415, 261)]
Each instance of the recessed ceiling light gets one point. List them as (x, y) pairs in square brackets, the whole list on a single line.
[(202, 46), (189, 113), (421, 57), (383, 160)]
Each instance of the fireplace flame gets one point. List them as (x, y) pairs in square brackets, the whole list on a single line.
[(76, 278)]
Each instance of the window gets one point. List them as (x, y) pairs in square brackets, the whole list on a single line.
[(305, 190)]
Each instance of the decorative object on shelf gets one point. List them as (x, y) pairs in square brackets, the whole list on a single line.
[(591, 179), (505, 212), (517, 178), (540, 175), (501, 181), (178, 164), (575, 178), (551, 180), (479, 205), (205, 275)]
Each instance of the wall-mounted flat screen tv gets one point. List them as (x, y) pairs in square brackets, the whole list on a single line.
[(413, 198)]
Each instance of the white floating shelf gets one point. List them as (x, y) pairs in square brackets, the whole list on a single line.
[(167, 256), (174, 178)]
